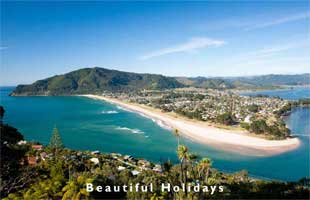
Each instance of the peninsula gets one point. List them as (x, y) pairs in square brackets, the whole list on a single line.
[(232, 140)]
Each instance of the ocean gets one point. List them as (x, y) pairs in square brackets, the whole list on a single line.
[(87, 124)]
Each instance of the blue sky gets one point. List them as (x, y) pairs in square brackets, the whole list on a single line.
[(41, 39)]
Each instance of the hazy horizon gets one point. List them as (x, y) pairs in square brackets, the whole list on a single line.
[(208, 39)]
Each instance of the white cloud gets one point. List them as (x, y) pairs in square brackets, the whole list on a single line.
[(282, 20), (191, 45)]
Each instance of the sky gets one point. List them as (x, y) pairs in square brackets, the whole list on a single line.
[(214, 38)]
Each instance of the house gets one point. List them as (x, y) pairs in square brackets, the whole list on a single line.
[(157, 169), (128, 157), (32, 160), (22, 142), (95, 152), (135, 172), (144, 163), (115, 156), (37, 147), (43, 155), (247, 119), (121, 168), (95, 160)]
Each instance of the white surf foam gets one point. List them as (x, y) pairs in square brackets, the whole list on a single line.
[(163, 125), (135, 130), (109, 112), (158, 122)]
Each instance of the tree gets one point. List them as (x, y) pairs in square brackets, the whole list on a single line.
[(183, 157), (55, 141), (192, 157), (259, 126), (177, 134), (167, 166), (226, 118), (204, 168), (253, 108)]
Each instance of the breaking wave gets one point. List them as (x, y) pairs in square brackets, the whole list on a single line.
[(109, 112), (135, 130), (157, 121), (163, 125)]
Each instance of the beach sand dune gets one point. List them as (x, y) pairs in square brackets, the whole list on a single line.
[(229, 140)]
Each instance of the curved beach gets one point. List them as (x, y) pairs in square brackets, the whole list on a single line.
[(228, 140)]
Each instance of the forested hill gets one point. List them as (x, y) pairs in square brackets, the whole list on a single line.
[(93, 80)]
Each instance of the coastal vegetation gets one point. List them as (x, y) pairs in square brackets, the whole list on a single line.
[(260, 127)]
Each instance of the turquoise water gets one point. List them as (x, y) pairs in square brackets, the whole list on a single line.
[(87, 124)]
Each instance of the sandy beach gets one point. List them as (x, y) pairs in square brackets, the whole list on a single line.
[(227, 140)]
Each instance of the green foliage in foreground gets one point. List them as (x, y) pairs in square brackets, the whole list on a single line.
[(64, 176)]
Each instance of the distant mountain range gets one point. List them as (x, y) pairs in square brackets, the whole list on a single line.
[(96, 80), (247, 82)]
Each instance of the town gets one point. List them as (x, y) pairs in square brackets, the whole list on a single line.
[(224, 109)]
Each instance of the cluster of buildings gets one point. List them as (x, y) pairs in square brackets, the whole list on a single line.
[(135, 165), (207, 106), (38, 154)]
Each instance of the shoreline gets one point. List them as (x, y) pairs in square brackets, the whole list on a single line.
[(227, 140)]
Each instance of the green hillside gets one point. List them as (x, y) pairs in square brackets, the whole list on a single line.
[(203, 82), (95, 80)]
